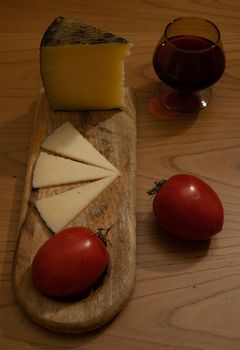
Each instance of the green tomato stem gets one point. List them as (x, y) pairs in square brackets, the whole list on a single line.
[(156, 188), (102, 234)]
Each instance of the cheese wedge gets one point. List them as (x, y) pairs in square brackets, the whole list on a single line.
[(59, 210), (68, 142), (82, 67), (52, 170)]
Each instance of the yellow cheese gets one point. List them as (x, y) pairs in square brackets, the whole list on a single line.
[(68, 142), (59, 210), (52, 170), (82, 67)]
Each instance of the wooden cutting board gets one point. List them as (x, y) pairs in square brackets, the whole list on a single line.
[(113, 133)]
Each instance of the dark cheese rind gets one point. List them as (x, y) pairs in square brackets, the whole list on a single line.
[(68, 31)]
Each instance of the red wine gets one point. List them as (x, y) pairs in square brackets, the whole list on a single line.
[(188, 63)]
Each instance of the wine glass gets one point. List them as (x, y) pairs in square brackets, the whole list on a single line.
[(188, 59)]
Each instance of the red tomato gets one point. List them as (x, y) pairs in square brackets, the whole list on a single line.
[(69, 263), (187, 207)]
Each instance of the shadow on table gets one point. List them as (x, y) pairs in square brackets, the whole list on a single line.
[(162, 249), (13, 173)]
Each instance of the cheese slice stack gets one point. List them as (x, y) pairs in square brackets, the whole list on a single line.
[(82, 67), (68, 142), (52, 170), (59, 210)]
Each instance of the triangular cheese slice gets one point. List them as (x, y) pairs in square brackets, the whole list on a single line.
[(68, 142), (52, 170), (59, 210)]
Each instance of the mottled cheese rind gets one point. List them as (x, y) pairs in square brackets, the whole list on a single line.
[(65, 31)]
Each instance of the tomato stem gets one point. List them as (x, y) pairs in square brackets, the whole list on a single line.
[(156, 188), (102, 234)]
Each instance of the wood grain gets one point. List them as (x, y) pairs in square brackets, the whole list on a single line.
[(186, 296), (113, 133)]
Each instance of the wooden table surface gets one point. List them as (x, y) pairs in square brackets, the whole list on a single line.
[(187, 296)]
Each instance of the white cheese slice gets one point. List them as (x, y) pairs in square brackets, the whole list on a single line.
[(59, 210), (68, 142), (52, 170)]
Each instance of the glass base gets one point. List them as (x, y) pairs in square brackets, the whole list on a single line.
[(185, 103)]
